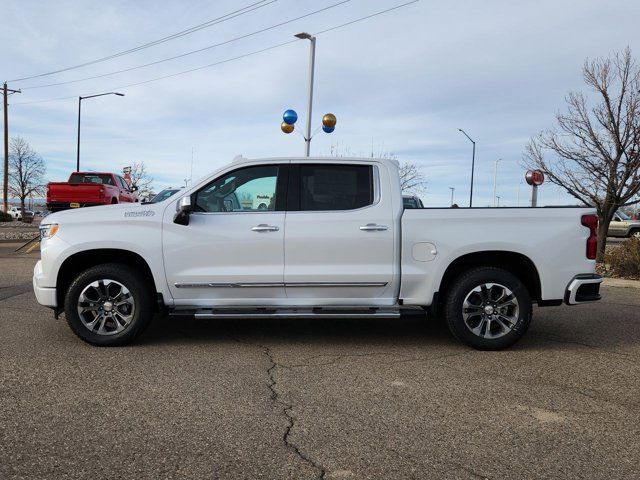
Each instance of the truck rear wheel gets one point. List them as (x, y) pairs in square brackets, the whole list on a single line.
[(109, 305), (488, 308)]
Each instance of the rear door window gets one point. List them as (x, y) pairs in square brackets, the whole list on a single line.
[(327, 187)]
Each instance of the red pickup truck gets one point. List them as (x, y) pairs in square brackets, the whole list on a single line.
[(86, 189)]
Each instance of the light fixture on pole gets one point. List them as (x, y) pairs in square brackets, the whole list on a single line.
[(312, 62), (79, 110), (473, 162), (495, 177)]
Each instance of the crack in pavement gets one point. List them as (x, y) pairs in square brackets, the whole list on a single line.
[(286, 407)]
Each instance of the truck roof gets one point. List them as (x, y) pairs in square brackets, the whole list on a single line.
[(242, 159)]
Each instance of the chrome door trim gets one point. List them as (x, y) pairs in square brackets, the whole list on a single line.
[(227, 285), (336, 284), (278, 284)]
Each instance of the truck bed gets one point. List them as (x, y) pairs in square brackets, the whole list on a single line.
[(553, 238)]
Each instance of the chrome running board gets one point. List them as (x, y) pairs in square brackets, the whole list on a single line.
[(299, 312)]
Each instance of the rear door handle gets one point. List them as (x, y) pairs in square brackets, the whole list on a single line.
[(263, 227), (373, 227)]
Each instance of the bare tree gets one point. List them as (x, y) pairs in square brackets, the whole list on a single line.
[(26, 171), (595, 149), (141, 179), (412, 180)]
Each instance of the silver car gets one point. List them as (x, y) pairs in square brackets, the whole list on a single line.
[(623, 226)]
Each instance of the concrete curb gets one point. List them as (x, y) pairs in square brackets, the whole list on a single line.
[(621, 282)]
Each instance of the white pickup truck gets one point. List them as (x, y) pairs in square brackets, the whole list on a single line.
[(329, 237)]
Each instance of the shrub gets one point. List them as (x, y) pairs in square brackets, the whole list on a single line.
[(5, 217), (624, 260)]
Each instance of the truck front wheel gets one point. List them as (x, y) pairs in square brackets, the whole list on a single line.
[(109, 305), (488, 308)]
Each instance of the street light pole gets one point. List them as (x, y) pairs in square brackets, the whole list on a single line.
[(79, 111), (312, 62), (519, 193), (473, 162), (495, 177), (78, 147), (452, 190)]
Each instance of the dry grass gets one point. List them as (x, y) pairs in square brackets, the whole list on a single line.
[(623, 261)]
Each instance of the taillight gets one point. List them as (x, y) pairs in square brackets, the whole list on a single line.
[(591, 222)]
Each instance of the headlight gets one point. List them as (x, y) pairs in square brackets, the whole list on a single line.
[(48, 231)]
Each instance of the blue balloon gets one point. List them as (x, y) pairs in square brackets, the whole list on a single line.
[(290, 117), (326, 129)]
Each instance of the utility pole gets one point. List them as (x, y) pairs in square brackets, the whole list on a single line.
[(6, 91)]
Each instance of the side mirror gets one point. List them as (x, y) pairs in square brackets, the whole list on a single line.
[(184, 205), (184, 209)]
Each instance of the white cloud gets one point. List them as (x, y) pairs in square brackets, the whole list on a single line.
[(407, 80)]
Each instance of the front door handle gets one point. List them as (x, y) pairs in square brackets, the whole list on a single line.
[(373, 227), (263, 227)]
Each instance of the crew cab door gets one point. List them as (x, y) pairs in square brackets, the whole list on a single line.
[(339, 237), (232, 251)]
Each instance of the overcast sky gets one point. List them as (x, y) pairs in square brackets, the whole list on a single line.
[(402, 82)]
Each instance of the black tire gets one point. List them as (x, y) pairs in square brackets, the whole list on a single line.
[(634, 233), (139, 289), (464, 285)]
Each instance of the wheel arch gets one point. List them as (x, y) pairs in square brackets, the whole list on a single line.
[(515, 263), (80, 261)]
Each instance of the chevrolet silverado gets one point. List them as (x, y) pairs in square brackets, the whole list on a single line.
[(312, 237)]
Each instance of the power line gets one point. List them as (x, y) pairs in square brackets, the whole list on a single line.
[(381, 12), (249, 54), (215, 21), (192, 51)]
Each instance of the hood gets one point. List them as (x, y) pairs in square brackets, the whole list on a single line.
[(108, 213)]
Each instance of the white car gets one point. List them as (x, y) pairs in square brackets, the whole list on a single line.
[(334, 241), (16, 213)]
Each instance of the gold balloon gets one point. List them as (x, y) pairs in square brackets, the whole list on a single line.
[(329, 120), (286, 128)]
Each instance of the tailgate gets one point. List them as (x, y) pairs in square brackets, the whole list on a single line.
[(75, 192)]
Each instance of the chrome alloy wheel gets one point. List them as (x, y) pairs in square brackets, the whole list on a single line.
[(106, 307), (490, 310)]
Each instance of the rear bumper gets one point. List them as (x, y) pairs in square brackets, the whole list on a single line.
[(58, 206), (583, 288)]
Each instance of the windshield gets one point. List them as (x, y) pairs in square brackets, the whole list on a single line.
[(91, 178), (623, 215), (163, 195)]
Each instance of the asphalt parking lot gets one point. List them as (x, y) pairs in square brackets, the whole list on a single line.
[(300, 399)]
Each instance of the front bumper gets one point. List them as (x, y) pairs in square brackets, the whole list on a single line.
[(45, 295), (583, 288)]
